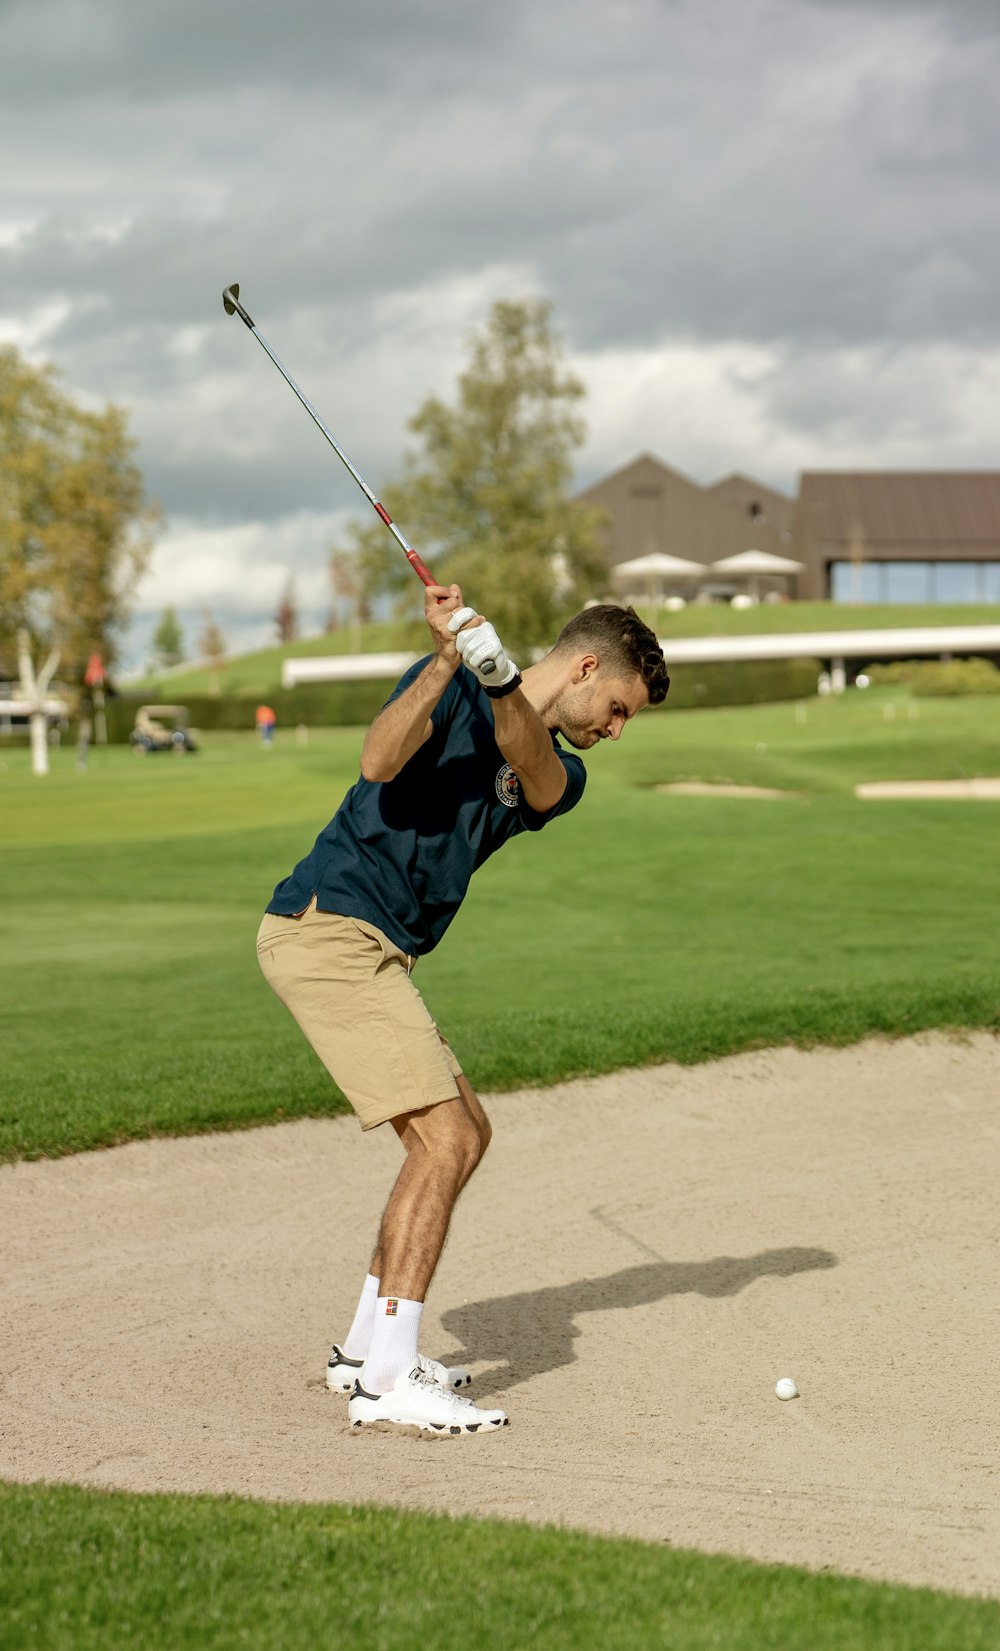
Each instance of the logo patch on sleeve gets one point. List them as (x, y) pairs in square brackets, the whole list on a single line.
[(508, 787), (391, 1307)]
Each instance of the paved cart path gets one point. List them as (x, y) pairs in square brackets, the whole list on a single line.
[(638, 1261)]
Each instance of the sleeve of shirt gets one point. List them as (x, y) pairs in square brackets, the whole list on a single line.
[(576, 779), (445, 706)]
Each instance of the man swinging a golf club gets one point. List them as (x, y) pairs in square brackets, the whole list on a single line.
[(462, 757)]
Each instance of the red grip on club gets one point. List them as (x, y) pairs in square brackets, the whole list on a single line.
[(420, 570)]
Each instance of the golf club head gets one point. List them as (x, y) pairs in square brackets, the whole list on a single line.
[(232, 306)]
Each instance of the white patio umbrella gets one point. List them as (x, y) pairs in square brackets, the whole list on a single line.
[(752, 565), (656, 570)]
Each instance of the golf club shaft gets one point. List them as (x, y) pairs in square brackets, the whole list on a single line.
[(230, 299)]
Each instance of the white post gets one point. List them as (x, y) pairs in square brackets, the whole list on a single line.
[(34, 689), (838, 676)]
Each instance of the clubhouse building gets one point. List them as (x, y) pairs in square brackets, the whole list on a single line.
[(919, 536)]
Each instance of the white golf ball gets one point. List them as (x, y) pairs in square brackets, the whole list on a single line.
[(786, 1388)]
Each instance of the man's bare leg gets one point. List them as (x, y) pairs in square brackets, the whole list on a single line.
[(443, 1144)]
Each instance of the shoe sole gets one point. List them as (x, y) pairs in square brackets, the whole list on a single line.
[(437, 1430)]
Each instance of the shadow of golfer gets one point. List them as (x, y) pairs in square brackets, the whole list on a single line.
[(533, 1332)]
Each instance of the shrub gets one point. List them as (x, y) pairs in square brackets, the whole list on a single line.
[(934, 678), (318, 705), (334, 704), (740, 682)]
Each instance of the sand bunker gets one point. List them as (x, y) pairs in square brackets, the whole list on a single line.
[(702, 788), (979, 790), (638, 1261)]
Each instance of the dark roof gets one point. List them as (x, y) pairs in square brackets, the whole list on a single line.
[(644, 464), (739, 481), (931, 507)]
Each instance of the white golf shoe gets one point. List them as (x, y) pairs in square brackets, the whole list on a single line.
[(417, 1400), (342, 1372)]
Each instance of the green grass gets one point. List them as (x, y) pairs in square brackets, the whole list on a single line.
[(719, 619), (86, 1570), (643, 927), (260, 672)]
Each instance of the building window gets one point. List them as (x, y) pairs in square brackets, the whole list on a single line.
[(850, 583), (906, 582), (958, 581), (915, 582)]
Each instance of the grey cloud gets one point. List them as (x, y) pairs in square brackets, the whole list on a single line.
[(703, 184), (83, 49), (814, 175)]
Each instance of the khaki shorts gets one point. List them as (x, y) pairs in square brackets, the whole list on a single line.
[(350, 990)]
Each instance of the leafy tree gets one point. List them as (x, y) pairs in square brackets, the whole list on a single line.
[(168, 639), (485, 497), (286, 618), (75, 524)]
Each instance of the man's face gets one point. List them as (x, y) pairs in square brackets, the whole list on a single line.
[(597, 707)]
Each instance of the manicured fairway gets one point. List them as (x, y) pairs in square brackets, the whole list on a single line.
[(84, 1571), (642, 927)]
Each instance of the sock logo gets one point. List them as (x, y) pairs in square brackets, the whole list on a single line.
[(391, 1307)]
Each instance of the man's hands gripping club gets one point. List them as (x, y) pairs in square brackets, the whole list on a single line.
[(461, 635), (481, 648)]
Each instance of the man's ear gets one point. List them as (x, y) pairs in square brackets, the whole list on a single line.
[(586, 666)]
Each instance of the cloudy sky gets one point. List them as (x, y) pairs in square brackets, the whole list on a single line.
[(767, 226)]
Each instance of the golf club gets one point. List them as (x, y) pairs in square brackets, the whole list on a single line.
[(232, 306)]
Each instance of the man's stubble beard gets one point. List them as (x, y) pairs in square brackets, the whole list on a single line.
[(567, 718)]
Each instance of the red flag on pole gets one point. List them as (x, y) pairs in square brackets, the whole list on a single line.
[(93, 676)]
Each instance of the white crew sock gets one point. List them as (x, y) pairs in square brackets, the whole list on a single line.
[(393, 1346), (360, 1333)]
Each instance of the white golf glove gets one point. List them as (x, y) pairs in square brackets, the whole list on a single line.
[(482, 650)]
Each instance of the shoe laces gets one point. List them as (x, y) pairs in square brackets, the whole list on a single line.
[(422, 1378)]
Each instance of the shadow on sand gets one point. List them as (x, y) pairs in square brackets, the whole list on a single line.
[(533, 1331)]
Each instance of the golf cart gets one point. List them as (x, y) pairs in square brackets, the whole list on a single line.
[(161, 728)]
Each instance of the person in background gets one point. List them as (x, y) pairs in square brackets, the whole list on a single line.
[(265, 720)]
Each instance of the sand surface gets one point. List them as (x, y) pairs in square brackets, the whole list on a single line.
[(987, 790), (707, 788), (637, 1262)]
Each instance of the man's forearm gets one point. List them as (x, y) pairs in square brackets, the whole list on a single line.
[(527, 744), (402, 727)]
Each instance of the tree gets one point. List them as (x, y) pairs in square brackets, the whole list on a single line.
[(212, 649), (75, 524), (485, 498), (168, 640), (286, 619)]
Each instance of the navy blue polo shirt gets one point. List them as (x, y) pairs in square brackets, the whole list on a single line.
[(400, 853)]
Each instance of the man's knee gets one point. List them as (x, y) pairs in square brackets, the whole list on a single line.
[(484, 1130), (474, 1109), (446, 1134)]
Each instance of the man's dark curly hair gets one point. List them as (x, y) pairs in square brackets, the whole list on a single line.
[(622, 643)]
